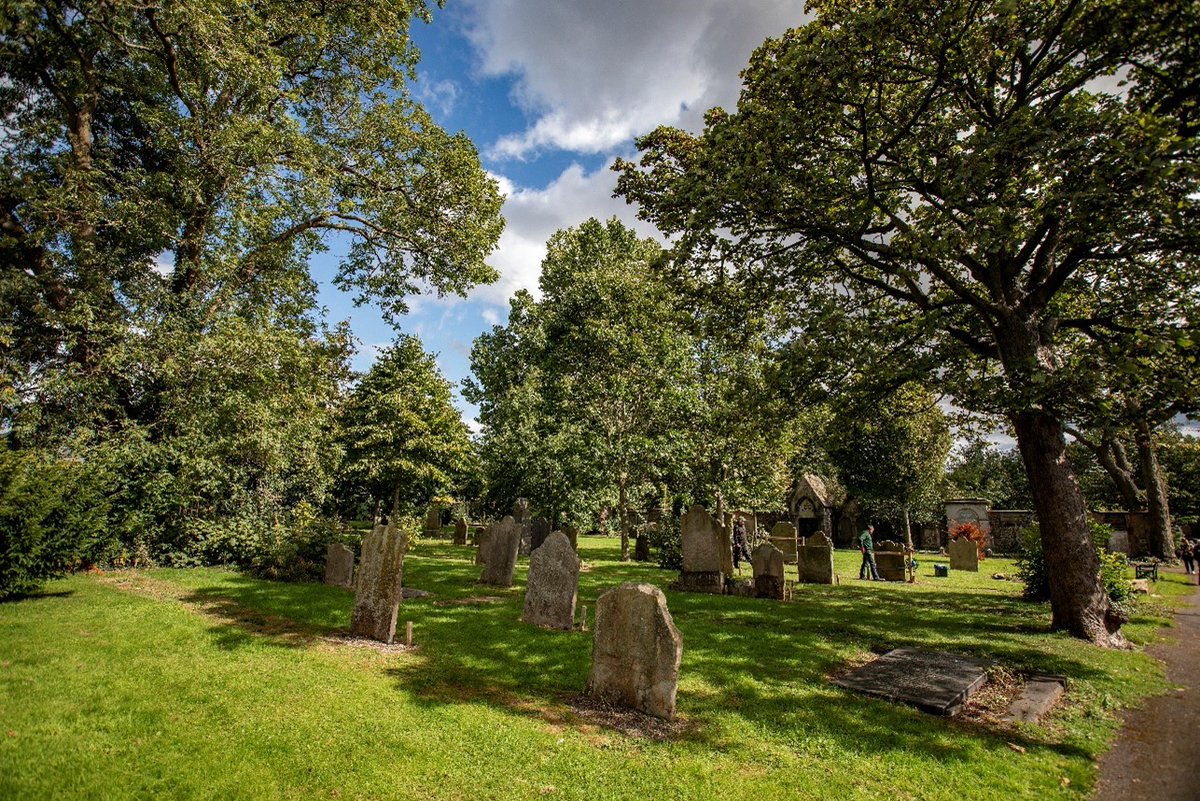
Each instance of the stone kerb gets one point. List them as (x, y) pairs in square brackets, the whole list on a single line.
[(783, 537), (339, 565), (701, 540), (768, 571), (500, 553), (964, 555), (636, 651), (377, 591), (889, 561), (814, 560), (553, 584)]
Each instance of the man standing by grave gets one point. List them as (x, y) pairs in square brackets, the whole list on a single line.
[(867, 545), (741, 548)]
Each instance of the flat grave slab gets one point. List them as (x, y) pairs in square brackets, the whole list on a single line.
[(931, 681)]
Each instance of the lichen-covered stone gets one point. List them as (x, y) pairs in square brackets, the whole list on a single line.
[(636, 651), (553, 584), (499, 553), (377, 590)]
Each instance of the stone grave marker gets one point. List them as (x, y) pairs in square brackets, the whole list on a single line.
[(964, 555), (700, 541), (636, 651), (889, 560), (783, 537), (339, 565), (460, 531), (482, 537), (553, 584), (768, 571), (814, 560), (521, 513), (539, 530), (377, 590), (935, 682), (500, 553), (572, 534), (433, 523)]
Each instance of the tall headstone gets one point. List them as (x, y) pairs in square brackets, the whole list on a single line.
[(783, 537), (889, 560), (768, 571), (701, 541), (553, 584), (433, 523), (964, 555), (636, 651), (539, 530), (482, 543), (377, 590), (521, 514), (460, 531), (500, 554), (814, 560), (339, 565)]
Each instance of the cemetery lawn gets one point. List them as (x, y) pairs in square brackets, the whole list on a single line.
[(208, 684)]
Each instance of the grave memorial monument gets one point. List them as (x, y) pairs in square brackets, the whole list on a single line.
[(701, 540), (553, 584), (339, 565), (377, 591)]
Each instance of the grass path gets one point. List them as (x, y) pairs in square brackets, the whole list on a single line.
[(209, 684)]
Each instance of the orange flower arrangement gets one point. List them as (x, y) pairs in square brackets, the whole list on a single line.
[(972, 532)]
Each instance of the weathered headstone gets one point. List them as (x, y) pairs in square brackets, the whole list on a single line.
[(889, 561), (783, 537), (339, 565), (553, 584), (460, 532), (768, 571), (814, 560), (521, 514), (964, 554), (377, 589), (500, 553), (482, 538), (641, 548), (701, 541), (433, 523), (539, 529), (572, 535), (935, 682), (636, 651)]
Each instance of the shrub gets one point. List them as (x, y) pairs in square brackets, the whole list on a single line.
[(1031, 567), (666, 539)]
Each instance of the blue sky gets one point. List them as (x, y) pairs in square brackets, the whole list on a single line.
[(551, 91)]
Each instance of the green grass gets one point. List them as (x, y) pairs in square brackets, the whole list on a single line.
[(209, 684)]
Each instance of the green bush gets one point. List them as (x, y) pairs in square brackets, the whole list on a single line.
[(53, 519), (1031, 567), (666, 539)]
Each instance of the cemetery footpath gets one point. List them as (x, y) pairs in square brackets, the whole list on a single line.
[(1156, 757), (208, 683)]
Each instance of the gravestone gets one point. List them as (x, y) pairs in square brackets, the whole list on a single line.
[(433, 523), (1118, 542), (641, 548), (783, 537), (572, 535), (339, 565), (636, 651), (889, 561), (768, 571), (964, 555), (482, 537), (460, 532), (553, 584), (521, 513), (500, 553), (539, 529), (700, 541), (935, 682), (814, 560), (377, 590)]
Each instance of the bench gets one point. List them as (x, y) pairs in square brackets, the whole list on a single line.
[(1143, 570)]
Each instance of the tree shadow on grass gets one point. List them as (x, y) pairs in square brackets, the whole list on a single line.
[(36, 595)]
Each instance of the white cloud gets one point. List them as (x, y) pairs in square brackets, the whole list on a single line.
[(596, 74), (440, 95)]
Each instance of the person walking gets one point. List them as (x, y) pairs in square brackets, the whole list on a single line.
[(1187, 552), (866, 544), (741, 548)]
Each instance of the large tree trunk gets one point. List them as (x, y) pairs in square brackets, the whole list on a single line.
[(1077, 597), (1162, 543)]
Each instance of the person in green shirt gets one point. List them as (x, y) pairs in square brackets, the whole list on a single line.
[(867, 546)]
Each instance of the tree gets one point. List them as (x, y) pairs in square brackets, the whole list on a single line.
[(964, 168), (892, 455), (982, 470), (405, 442)]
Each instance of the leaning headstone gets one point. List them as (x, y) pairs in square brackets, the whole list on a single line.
[(377, 590), (460, 532), (768, 571), (636, 651), (500, 553), (700, 541), (539, 529), (889, 560), (553, 584), (964, 554), (339, 565), (783, 537), (814, 560)]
